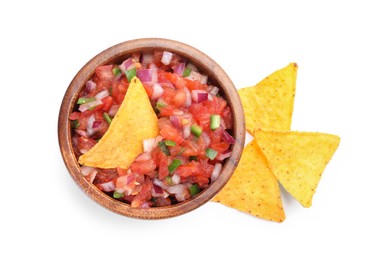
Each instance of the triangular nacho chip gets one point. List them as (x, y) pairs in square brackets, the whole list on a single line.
[(134, 122), (297, 159), (253, 188), (269, 104)]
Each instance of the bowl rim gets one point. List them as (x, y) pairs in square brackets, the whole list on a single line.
[(119, 52)]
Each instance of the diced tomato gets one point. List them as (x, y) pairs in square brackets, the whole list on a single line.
[(190, 148), (163, 167), (194, 84), (105, 176), (161, 202), (121, 172), (105, 72), (107, 103), (143, 166), (167, 111), (144, 194), (215, 106), (157, 55), (104, 78), (74, 116), (169, 95), (171, 133), (227, 117), (180, 98), (175, 150), (220, 147), (201, 115), (176, 59), (85, 143), (118, 90), (163, 121), (149, 89), (187, 170), (102, 130)]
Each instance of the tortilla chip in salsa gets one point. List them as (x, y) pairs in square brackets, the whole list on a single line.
[(134, 122)]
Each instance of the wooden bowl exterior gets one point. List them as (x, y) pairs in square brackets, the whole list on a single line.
[(116, 54)]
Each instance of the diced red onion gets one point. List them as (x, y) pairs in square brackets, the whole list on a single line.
[(228, 138), (113, 110), (186, 131), (147, 75), (90, 121), (121, 181), (89, 86), (188, 97), (179, 68), (178, 112), (214, 90), (158, 91), (157, 191), (91, 176), (216, 171), (166, 57), (203, 79), (175, 179), (176, 189), (206, 138), (97, 123), (192, 67), (83, 151), (108, 186), (153, 66), (89, 105), (222, 124), (102, 94), (195, 76), (159, 183), (175, 121), (81, 132), (149, 144), (144, 205), (203, 97), (147, 58), (143, 157), (126, 65), (224, 155), (86, 170), (180, 196), (199, 95)]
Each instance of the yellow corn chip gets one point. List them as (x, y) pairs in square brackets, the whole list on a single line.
[(134, 122), (297, 159), (253, 188), (269, 104)]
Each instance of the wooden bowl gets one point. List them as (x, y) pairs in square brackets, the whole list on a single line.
[(117, 54)]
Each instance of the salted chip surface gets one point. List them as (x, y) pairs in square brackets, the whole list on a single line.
[(253, 188), (269, 104), (134, 122), (297, 159)]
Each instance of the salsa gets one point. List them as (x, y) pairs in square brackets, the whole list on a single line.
[(194, 123)]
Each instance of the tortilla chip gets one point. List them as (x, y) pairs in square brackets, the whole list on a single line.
[(253, 188), (269, 104), (297, 159), (134, 122)]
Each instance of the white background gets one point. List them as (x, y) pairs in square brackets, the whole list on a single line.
[(343, 52)]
